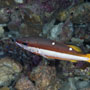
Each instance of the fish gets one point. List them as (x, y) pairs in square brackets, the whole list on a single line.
[(51, 49)]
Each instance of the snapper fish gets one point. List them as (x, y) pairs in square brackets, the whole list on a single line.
[(52, 49)]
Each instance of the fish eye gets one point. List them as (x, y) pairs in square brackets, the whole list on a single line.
[(53, 43), (70, 49), (24, 44)]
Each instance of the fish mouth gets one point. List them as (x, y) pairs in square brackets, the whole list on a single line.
[(21, 42)]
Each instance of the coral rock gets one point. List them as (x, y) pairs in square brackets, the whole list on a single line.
[(19, 1), (59, 32), (4, 88), (45, 78), (76, 13), (29, 30), (8, 71), (1, 31), (25, 84)]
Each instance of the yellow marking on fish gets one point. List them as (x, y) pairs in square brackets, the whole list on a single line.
[(75, 48)]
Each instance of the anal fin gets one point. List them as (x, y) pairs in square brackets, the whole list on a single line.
[(73, 61)]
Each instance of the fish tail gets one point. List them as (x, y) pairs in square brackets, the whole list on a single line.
[(88, 56)]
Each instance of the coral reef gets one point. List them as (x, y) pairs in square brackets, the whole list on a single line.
[(66, 21)]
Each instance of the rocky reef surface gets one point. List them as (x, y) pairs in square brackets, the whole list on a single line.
[(66, 21)]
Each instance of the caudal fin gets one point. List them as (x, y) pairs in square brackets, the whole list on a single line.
[(88, 56)]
